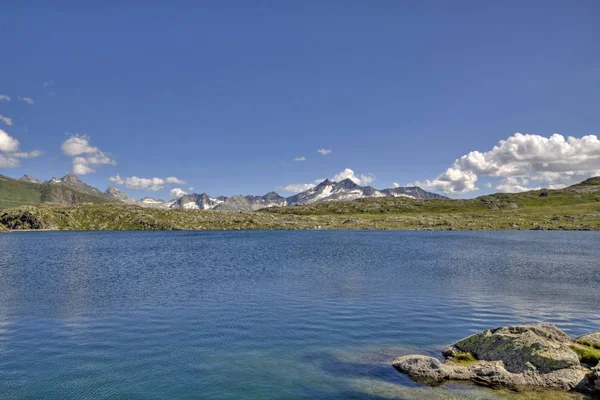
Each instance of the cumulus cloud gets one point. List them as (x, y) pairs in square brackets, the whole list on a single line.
[(177, 193), (29, 154), (395, 184), (172, 179), (85, 156), (117, 179), (4, 97), (324, 151), (345, 174), (150, 184), (8, 143), (6, 120), (299, 159), (296, 187), (358, 179), (9, 151), (27, 100), (513, 185), (523, 162)]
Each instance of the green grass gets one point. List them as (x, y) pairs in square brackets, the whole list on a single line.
[(587, 355), (16, 193), (464, 359), (574, 208)]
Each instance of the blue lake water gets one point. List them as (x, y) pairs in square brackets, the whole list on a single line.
[(282, 315)]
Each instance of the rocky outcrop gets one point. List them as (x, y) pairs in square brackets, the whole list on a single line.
[(541, 346), (537, 355), (20, 220)]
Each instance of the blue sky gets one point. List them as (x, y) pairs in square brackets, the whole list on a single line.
[(225, 95)]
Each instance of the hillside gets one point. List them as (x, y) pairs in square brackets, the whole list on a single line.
[(583, 193), (65, 191), (574, 208)]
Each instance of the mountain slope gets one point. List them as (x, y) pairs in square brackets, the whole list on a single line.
[(196, 201), (18, 192), (412, 191), (573, 208), (71, 190)]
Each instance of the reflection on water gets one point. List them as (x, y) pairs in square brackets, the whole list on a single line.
[(272, 314)]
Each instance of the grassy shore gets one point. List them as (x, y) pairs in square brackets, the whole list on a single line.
[(573, 208)]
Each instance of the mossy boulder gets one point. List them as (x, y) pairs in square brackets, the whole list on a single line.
[(542, 347), (536, 355)]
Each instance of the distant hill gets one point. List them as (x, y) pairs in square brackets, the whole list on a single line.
[(68, 190), (574, 208)]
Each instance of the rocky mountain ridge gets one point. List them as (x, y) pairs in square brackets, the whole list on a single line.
[(72, 190)]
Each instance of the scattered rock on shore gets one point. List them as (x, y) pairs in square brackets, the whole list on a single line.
[(536, 355)]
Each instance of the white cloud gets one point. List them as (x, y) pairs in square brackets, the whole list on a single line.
[(395, 184), (177, 193), (299, 159), (452, 181), (345, 174), (30, 154), (78, 144), (547, 161), (324, 151), (4, 97), (117, 179), (9, 151), (514, 185), (296, 187), (48, 84), (27, 100), (6, 120), (150, 184), (85, 156), (172, 179), (349, 174), (8, 143), (488, 185), (8, 162)]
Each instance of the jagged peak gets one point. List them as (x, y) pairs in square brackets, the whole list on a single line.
[(348, 183), (29, 178), (272, 194), (112, 189), (72, 179), (325, 183)]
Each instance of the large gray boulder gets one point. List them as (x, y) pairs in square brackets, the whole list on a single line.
[(536, 355), (541, 346), (491, 374)]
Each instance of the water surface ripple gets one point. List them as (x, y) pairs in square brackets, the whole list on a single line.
[(228, 315)]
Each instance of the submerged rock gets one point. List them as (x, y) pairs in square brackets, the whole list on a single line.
[(537, 355)]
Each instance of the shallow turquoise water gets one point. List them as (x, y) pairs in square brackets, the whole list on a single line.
[(226, 315)]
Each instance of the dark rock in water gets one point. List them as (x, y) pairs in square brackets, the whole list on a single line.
[(537, 355)]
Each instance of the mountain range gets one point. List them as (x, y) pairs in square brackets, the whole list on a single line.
[(70, 190)]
